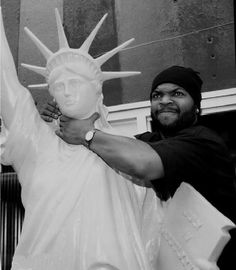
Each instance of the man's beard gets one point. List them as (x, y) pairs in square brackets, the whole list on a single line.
[(186, 119)]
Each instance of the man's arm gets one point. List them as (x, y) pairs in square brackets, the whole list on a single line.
[(127, 155)]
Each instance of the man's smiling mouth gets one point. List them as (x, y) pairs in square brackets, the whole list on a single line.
[(167, 111)]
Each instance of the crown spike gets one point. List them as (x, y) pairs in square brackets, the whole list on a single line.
[(43, 49), (119, 74), (67, 55), (102, 59), (40, 70), (41, 85), (63, 43), (87, 43)]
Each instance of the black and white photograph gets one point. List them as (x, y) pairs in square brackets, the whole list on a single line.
[(118, 134)]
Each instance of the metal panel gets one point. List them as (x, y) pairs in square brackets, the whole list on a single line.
[(12, 215)]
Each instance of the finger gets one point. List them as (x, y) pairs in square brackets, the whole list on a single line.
[(49, 111), (94, 117), (59, 133), (64, 118), (53, 107), (57, 108), (47, 118), (62, 124), (50, 106), (49, 114), (53, 103), (46, 110)]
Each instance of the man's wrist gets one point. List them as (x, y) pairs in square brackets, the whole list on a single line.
[(89, 137)]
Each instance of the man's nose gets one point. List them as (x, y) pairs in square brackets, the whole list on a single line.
[(166, 99)]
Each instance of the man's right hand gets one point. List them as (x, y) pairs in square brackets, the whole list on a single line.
[(50, 111)]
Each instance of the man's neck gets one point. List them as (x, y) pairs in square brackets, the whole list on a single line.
[(166, 133)]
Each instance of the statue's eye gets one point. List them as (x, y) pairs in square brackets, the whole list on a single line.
[(58, 87), (75, 83)]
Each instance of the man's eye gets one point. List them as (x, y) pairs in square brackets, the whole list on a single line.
[(156, 95), (178, 93)]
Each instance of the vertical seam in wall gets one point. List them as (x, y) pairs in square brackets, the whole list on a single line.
[(118, 58)]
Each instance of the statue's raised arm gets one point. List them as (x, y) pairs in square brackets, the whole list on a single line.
[(10, 85)]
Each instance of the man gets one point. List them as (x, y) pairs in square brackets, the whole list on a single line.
[(179, 149)]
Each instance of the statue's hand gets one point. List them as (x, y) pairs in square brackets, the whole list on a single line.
[(73, 131), (50, 111)]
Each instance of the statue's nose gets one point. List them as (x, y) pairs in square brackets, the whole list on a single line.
[(67, 91)]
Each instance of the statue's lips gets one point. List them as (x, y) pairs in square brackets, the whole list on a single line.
[(69, 102)]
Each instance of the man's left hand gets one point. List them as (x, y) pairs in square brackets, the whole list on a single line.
[(73, 131)]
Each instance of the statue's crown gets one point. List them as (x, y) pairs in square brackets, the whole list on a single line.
[(80, 56)]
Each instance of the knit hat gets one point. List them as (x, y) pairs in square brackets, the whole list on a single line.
[(183, 77)]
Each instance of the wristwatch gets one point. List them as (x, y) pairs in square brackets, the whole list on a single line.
[(89, 137)]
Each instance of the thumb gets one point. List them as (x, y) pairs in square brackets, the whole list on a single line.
[(94, 117), (59, 134)]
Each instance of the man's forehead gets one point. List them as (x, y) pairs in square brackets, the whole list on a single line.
[(168, 87)]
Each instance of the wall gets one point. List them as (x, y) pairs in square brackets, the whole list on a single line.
[(167, 32)]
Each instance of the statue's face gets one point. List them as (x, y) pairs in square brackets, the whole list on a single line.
[(75, 94)]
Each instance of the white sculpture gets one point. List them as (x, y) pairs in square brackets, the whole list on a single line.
[(193, 233), (79, 213)]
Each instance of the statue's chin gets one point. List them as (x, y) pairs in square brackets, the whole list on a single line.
[(76, 114), (77, 109)]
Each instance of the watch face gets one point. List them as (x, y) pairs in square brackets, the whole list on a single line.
[(89, 135)]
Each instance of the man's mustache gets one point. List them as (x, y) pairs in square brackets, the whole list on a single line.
[(168, 109)]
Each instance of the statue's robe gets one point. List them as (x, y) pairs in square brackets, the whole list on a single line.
[(80, 214)]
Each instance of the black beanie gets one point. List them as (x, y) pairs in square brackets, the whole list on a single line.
[(183, 77)]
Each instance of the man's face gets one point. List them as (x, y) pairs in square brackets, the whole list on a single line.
[(172, 107), (75, 95)]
